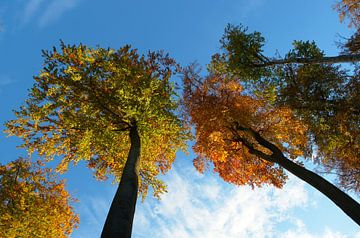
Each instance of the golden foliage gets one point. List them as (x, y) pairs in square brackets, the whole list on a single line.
[(84, 101), (321, 93), (33, 203), (216, 105)]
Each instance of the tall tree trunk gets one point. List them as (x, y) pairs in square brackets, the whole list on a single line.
[(329, 60), (340, 198), (119, 220)]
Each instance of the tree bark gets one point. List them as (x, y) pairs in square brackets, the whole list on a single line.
[(119, 220), (323, 60), (340, 198)]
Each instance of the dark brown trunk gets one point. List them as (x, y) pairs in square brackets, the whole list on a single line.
[(341, 199), (119, 220), (323, 60)]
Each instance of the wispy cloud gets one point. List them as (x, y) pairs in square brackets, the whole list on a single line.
[(30, 10), (45, 12), (205, 207), (300, 231), (93, 211), (55, 10), (2, 24), (202, 206), (251, 7), (5, 81)]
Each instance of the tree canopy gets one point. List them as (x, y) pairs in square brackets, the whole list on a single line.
[(85, 100), (33, 202), (320, 93), (349, 9), (255, 116), (217, 106)]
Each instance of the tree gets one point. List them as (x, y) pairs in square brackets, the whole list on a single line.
[(250, 141), (33, 202), (349, 9), (244, 53), (352, 45), (266, 113), (103, 106), (323, 95)]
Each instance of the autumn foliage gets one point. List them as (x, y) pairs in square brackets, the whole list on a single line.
[(326, 98), (319, 92), (218, 107), (84, 102), (255, 116), (349, 9), (33, 202)]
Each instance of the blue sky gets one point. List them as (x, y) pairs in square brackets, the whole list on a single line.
[(196, 205)]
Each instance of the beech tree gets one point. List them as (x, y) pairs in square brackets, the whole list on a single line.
[(324, 95), (33, 202), (109, 108), (349, 9), (352, 45), (256, 116), (250, 141)]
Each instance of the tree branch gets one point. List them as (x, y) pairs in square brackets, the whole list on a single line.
[(322, 60), (252, 149), (273, 148)]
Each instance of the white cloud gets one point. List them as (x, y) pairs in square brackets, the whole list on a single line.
[(301, 232), (45, 12), (30, 9), (203, 206), (5, 80), (55, 10), (93, 211), (251, 7)]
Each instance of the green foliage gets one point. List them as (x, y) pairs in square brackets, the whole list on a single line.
[(305, 49), (324, 96), (243, 53), (84, 102), (352, 45)]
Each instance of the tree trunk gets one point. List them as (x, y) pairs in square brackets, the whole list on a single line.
[(340, 198), (322, 60), (119, 220)]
